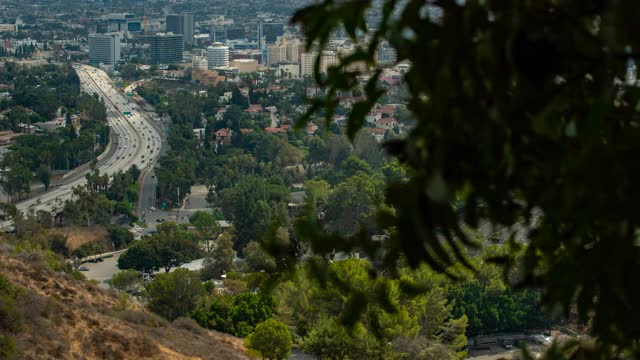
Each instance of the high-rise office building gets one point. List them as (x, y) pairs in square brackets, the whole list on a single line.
[(307, 61), (271, 31), (123, 23), (260, 36), (285, 50), (166, 48), (217, 55), (104, 49), (200, 62), (181, 24), (172, 23)]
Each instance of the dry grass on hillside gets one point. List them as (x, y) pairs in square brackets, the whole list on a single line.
[(65, 318), (77, 236)]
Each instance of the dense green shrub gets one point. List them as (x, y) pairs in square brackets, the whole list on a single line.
[(237, 315)]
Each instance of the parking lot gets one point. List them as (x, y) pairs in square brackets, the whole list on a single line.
[(104, 270)]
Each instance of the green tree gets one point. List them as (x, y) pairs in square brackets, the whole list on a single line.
[(317, 150), (368, 149), (353, 164), (119, 236), (352, 203), (238, 99), (317, 192), (168, 248), (256, 259), (248, 206), (328, 340), (44, 175), (271, 339), (174, 246), (250, 309), (134, 173), (207, 227), (16, 179), (234, 118), (234, 314), (454, 336), (220, 260), (174, 294), (515, 136), (127, 280), (338, 148)]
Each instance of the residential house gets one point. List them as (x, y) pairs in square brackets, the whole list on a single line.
[(377, 133), (199, 133), (387, 123), (206, 77), (254, 110), (226, 97), (223, 136), (388, 110), (27, 128), (278, 130), (8, 137), (373, 117), (52, 125), (171, 74), (340, 120), (220, 114)]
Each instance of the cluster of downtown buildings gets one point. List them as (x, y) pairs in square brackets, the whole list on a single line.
[(214, 44)]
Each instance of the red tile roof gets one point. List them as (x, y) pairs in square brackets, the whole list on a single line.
[(272, 130), (226, 132), (386, 121), (376, 130), (254, 108)]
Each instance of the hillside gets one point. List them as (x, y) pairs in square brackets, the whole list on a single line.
[(58, 317)]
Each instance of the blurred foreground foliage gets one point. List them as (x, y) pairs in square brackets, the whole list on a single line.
[(525, 113)]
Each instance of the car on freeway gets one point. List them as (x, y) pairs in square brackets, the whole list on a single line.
[(83, 268)]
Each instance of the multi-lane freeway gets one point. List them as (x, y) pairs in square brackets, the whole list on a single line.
[(133, 142)]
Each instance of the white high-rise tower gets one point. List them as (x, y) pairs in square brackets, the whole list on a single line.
[(217, 55)]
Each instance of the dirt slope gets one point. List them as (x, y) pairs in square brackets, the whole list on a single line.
[(77, 236), (66, 318)]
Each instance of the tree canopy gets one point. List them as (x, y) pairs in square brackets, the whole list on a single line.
[(170, 247), (526, 114), (271, 339), (174, 294)]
